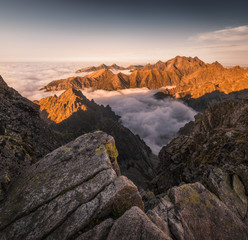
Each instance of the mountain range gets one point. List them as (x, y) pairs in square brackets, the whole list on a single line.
[(185, 75), (61, 177), (112, 67)]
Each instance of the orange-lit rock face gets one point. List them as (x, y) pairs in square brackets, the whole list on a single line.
[(189, 75), (211, 78), (62, 107)]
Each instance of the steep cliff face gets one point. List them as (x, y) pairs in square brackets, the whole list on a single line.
[(24, 136), (75, 114), (189, 76)]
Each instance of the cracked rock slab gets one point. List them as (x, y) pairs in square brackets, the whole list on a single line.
[(68, 192), (193, 212)]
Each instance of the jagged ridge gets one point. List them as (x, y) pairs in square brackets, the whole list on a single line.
[(190, 76)]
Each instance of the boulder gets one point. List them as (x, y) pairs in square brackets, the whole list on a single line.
[(134, 225), (191, 212), (68, 192)]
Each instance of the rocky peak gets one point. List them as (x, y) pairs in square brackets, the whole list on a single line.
[(102, 73), (60, 108), (217, 64), (116, 67), (103, 66), (3, 84), (185, 63)]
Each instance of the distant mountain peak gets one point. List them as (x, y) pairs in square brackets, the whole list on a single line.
[(216, 63)]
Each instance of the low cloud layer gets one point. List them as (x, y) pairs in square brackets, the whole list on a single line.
[(157, 122), (28, 78)]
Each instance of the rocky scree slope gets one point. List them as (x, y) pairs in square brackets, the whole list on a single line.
[(24, 136), (72, 114)]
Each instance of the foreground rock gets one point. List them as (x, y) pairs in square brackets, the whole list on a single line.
[(192, 212), (69, 192), (134, 225)]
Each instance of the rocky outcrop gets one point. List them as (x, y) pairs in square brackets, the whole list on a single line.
[(77, 192), (139, 227), (75, 114), (191, 212), (57, 109), (24, 136), (213, 151), (217, 138), (73, 190), (189, 76)]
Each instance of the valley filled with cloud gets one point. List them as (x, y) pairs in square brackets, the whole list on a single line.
[(155, 121)]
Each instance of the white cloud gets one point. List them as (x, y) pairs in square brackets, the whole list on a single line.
[(157, 122), (235, 34)]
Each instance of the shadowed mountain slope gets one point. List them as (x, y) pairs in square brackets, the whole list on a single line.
[(24, 136)]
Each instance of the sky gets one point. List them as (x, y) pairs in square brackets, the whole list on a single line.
[(123, 31)]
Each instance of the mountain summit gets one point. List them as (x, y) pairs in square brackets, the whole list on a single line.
[(62, 107)]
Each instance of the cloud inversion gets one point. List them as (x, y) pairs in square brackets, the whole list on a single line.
[(157, 122)]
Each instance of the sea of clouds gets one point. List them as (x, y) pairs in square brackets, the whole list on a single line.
[(156, 121)]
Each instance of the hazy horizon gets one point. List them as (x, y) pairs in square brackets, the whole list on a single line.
[(120, 63), (123, 31)]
